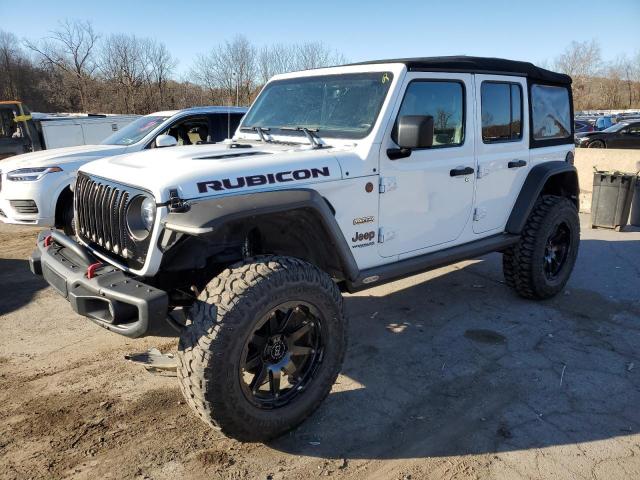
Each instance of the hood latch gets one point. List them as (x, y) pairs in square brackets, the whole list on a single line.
[(176, 204)]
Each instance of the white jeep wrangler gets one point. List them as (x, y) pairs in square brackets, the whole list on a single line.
[(336, 180)]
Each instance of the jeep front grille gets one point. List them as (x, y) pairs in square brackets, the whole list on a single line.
[(101, 219)]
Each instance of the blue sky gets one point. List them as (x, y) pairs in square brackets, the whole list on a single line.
[(534, 31)]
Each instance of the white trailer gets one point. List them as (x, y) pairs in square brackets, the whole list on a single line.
[(71, 130)]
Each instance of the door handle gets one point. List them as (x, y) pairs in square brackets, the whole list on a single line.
[(517, 164), (456, 172)]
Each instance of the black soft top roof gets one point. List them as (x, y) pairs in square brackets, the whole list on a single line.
[(479, 65)]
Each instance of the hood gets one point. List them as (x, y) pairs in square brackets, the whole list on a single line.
[(60, 156), (206, 170), (588, 134), (583, 134)]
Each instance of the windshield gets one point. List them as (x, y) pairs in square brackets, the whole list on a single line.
[(134, 131), (616, 127), (345, 105)]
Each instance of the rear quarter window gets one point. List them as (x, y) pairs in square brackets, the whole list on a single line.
[(551, 112)]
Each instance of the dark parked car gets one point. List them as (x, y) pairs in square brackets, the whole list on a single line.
[(620, 135), (582, 126)]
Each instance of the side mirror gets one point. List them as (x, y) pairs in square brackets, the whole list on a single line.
[(413, 131), (165, 141)]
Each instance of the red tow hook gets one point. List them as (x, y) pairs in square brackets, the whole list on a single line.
[(48, 240), (91, 269)]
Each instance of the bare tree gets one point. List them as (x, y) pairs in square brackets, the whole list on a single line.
[(622, 69), (71, 49), (229, 69), (74, 69), (10, 56), (160, 67), (580, 59), (315, 55), (123, 65), (275, 59)]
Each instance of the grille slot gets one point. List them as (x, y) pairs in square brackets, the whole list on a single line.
[(24, 206), (100, 209)]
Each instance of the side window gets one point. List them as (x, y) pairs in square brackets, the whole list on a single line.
[(501, 111), (192, 131), (634, 129), (551, 112), (444, 101)]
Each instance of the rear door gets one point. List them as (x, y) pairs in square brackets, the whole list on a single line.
[(502, 148)]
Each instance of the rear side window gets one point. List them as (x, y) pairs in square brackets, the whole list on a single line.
[(444, 101), (551, 112), (501, 111)]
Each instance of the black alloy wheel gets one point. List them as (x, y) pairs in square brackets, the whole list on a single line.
[(282, 355), (557, 250)]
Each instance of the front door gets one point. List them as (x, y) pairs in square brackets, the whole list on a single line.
[(629, 137), (426, 198), (502, 149)]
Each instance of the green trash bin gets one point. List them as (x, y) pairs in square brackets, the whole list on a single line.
[(611, 200)]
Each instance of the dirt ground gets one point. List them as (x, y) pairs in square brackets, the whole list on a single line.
[(448, 375)]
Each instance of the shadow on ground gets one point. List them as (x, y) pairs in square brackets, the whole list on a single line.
[(18, 285), (459, 365)]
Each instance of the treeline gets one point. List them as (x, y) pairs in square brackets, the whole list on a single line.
[(76, 69), (598, 84)]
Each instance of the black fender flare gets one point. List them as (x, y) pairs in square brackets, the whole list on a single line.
[(534, 185), (208, 215)]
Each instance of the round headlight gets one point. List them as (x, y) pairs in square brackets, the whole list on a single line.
[(141, 215), (148, 213)]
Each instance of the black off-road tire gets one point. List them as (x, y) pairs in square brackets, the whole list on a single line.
[(219, 324), (523, 263), (67, 214)]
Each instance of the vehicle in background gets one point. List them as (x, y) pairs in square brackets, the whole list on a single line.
[(35, 187), (581, 128), (22, 131), (604, 122), (621, 135)]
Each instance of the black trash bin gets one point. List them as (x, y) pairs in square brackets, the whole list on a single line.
[(634, 218), (611, 200)]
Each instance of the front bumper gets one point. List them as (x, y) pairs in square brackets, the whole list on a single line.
[(42, 192), (113, 299), (10, 216)]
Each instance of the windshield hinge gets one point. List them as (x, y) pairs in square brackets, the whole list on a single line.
[(384, 235), (176, 204), (387, 184)]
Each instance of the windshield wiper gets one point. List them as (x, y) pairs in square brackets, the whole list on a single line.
[(260, 131), (310, 133)]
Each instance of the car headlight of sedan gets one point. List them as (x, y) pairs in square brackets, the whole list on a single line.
[(141, 215), (31, 174)]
